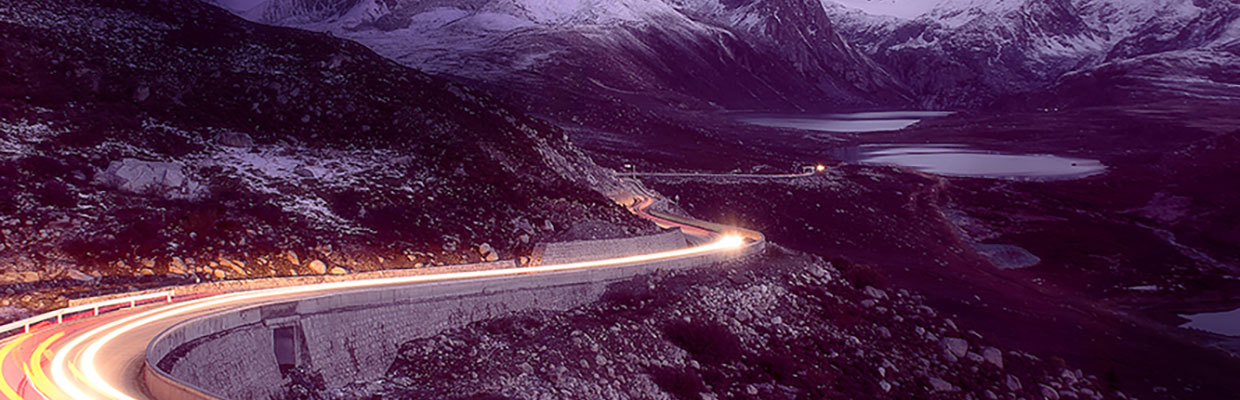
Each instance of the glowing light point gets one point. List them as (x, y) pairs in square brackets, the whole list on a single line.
[(731, 241), (820, 168)]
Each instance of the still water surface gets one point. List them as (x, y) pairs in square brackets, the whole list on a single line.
[(953, 160)]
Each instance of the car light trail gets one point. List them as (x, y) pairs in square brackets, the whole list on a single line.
[(37, 377), (5, 389), (96, 383)]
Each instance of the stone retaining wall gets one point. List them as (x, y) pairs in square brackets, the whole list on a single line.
[(352, 336), (587, 250)]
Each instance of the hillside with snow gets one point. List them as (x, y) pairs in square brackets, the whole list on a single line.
[(967, 53), (172, 142)]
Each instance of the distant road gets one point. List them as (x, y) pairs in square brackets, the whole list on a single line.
[(805, 172)]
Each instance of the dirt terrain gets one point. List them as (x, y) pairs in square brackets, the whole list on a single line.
[(1118, 255)]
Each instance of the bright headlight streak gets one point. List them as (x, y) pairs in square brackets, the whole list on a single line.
[(115, 329)]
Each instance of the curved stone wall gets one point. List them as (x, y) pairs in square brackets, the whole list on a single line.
[(351, 336)]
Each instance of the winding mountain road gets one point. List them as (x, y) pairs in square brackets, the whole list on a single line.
[(104, 355)]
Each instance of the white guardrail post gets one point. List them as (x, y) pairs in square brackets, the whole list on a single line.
[(25, 324)]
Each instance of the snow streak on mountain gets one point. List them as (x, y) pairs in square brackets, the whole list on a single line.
[(735, 54), (969, 52)]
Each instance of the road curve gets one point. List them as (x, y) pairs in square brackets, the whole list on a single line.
[(805, 172), (104, 356)]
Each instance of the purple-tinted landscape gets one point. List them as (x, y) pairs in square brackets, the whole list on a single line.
[(620, 199)]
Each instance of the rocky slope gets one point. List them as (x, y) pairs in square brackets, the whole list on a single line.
[(171, 138), (783, 325), (967, 53)]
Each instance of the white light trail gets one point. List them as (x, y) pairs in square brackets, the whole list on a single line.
[(108, 332)]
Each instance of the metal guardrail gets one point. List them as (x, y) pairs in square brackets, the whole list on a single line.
[(60, 314)]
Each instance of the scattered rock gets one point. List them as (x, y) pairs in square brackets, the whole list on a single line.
[(292, 257), (875, 292), (993, 356), (1068, 376), (940, 385), (338, 271), (450, 242), (488, 253), (303, 172), (235, 139), (548, 226), (236, 266), (956, 346), (138, 176), (177, 266), (1049, 392), (142, 93), (884, 385), (219, 274), (146, 272), (1013, 383), (79, 276), (318, 267)]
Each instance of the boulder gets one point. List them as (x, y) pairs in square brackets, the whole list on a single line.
[(219, 274), (149, 177), (338, 271), (956, 346), (993, 356), (292, 257), (318, 267)]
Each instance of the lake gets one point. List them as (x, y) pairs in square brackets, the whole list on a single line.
[(1223, 323), (844, 123), (955, 160)]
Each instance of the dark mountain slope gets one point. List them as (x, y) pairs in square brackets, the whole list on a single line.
[(133, 132)]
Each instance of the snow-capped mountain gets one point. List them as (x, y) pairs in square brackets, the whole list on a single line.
[(969, 52), (711, 53), (306, 11)]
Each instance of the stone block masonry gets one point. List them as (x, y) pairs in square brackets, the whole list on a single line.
[(587, 250)]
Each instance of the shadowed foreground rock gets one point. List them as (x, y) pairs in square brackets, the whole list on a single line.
[(783, 325)]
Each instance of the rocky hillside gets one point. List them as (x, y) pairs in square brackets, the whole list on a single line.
[(968, 53), (171, 138), (774, 54), (782, 326)]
